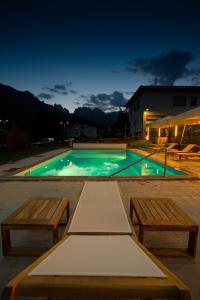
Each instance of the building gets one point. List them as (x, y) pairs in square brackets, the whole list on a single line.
[(150, 103), (82, 131)]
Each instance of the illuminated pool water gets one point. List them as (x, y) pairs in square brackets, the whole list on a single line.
[(99, 163)]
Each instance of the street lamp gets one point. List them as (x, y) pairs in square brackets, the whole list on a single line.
[(64, 124), (4, 122)]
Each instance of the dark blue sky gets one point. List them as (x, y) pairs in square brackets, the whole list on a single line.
[(98, 52)]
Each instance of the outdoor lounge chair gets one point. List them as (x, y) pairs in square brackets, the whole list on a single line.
[(187, 154), (100, 210), (91, 266), (187, 148), (171, 146)]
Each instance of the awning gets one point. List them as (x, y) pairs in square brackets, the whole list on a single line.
[(189, 117)]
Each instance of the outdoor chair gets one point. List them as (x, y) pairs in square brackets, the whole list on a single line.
[(97, 266), (100, 210), (187, 148), (187, 154), (171, 146)]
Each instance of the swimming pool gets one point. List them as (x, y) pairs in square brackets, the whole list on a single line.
[(99, 163)]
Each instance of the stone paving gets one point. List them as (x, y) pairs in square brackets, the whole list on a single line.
[(190, 166), (12, 166)]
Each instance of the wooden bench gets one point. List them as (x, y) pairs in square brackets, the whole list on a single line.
[(162, 214), (43, 213)]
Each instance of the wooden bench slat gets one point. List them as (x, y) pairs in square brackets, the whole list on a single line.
[(174, 213), (142, 210), (48, 211), (26, 212), (161, 213), (41, 210)]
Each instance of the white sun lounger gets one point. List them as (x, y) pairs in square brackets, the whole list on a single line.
[(100, 210), (187, 148), (101, 267)]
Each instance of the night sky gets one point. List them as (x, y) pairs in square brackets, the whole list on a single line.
[(97, 53)]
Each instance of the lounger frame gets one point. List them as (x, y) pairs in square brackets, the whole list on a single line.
[(187, 154), (98, 287), (187, 149)]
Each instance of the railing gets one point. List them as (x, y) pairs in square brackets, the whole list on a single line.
[(141, 159)]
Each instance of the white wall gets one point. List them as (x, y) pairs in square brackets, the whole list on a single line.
[(160, 104)]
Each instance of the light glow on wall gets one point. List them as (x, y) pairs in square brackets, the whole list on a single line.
[(147, 134), (175, 131), (158, 132)]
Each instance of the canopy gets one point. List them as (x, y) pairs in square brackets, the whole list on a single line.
[(189, 117)]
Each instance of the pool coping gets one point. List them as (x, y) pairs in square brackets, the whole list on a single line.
[(96, 178), (12, 175)]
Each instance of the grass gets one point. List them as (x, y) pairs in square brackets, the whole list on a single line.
[(137, 143), (8, 156)]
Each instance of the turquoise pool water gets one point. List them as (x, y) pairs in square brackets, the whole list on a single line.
[(99, 163)]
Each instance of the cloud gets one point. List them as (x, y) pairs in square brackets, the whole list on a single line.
[(61, 89), (165, 68), (105, 102), (77, 103), (73, 92), (194, 76), (129, 93), (196, 80), (45, 96), (56, 90)]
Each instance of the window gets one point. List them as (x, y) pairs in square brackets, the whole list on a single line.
[(179, 101), (193, 101)]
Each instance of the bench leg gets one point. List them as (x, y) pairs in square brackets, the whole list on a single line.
[(131, 210), (192, 242), (6, 244), (141, 234), (67, 212), (55, 236)]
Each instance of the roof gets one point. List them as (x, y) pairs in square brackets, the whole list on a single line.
[(187, 118), (162, 89)]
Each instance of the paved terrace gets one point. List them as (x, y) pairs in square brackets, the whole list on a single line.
[(185, 193)]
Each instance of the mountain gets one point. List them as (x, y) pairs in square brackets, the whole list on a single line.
[(97, 116), (25, 110)]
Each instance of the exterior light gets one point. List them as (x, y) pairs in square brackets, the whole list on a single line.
[(60, 123), (147, 109)]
